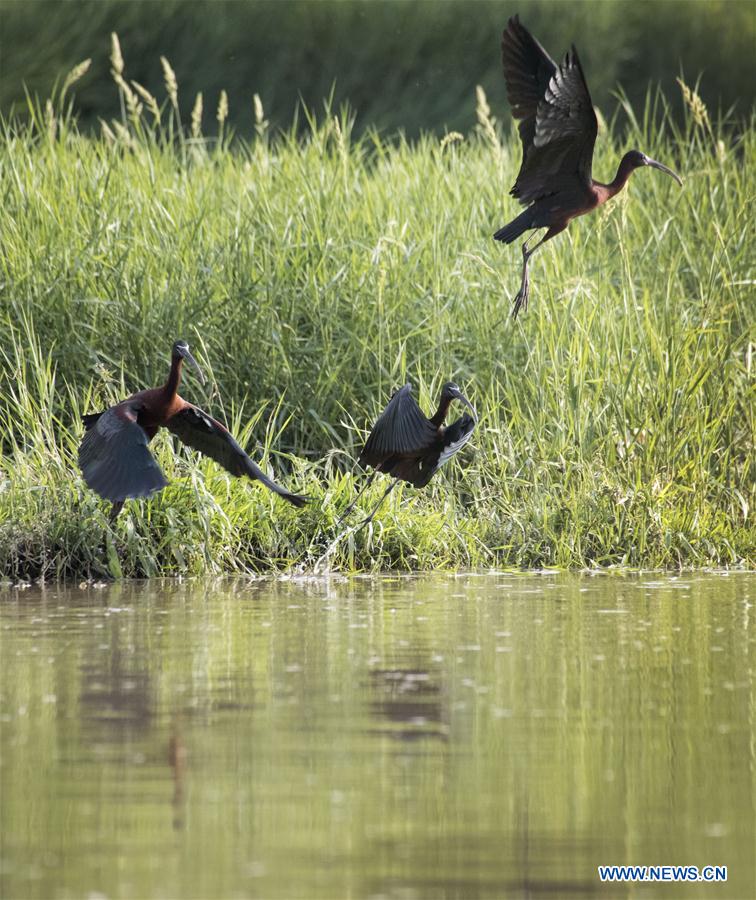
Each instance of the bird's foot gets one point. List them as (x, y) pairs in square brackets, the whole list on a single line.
[(521, 300)]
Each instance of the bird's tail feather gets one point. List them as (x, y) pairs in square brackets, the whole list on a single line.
[(518, 226)]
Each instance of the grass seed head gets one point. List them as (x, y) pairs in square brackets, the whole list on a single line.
[(486, 122), (171, 84), (696, 105), (261, 123), (132, 101), (197, 116), (151, 102), (259, 112), (116, 57), (75, 74), (453, 137), (222, 113)]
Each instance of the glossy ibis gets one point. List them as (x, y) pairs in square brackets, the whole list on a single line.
[(558, 130), (114, 455), (407, 445)]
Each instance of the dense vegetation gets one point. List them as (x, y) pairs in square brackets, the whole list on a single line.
[(409, 65), (312, 275)]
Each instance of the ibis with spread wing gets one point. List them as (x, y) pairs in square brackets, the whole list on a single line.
[(411, 447), (114, 455), (558, 131)]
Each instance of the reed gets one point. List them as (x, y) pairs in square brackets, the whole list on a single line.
[(312, 274)]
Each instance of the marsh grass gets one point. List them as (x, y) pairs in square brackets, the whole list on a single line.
[(312, 276)]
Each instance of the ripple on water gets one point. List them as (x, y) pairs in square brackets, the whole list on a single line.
[(476, 736)]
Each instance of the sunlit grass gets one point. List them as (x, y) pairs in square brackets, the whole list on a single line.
[(311, 277)]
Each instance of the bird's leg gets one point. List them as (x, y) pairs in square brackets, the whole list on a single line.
[(521, 300), (377, 506), (353, 503), (115, 509)]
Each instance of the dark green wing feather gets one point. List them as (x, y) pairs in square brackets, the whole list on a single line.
[(202, 432), (114, 456), (557, 123), (403, 429)]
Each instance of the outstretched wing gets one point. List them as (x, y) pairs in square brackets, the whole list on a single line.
[(114, 457), (558, 125), (202, 432), (528, 69), (402, 430)]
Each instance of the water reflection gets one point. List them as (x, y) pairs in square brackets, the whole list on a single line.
[(398, 737), (114, 699), (409, 704), (177, 760)]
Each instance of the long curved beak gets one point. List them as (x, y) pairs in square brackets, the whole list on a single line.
[(662, 168), (460, 396), (195, 365)]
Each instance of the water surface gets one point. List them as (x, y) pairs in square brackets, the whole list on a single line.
[(469, 737)]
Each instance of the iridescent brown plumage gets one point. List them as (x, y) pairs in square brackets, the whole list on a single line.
[(411, 447), (558, 131), (114, 456)]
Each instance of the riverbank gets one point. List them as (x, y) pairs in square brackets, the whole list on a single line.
[(311, 277)]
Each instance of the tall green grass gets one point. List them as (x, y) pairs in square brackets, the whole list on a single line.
[(311, 276)]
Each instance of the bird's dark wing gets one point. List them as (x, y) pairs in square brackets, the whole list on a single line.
[(202, 432), (402, 429), (419, 471), (114, 457), (528, 69), (558, 125)]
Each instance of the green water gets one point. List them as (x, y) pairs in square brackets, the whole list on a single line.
[(495, 736)]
